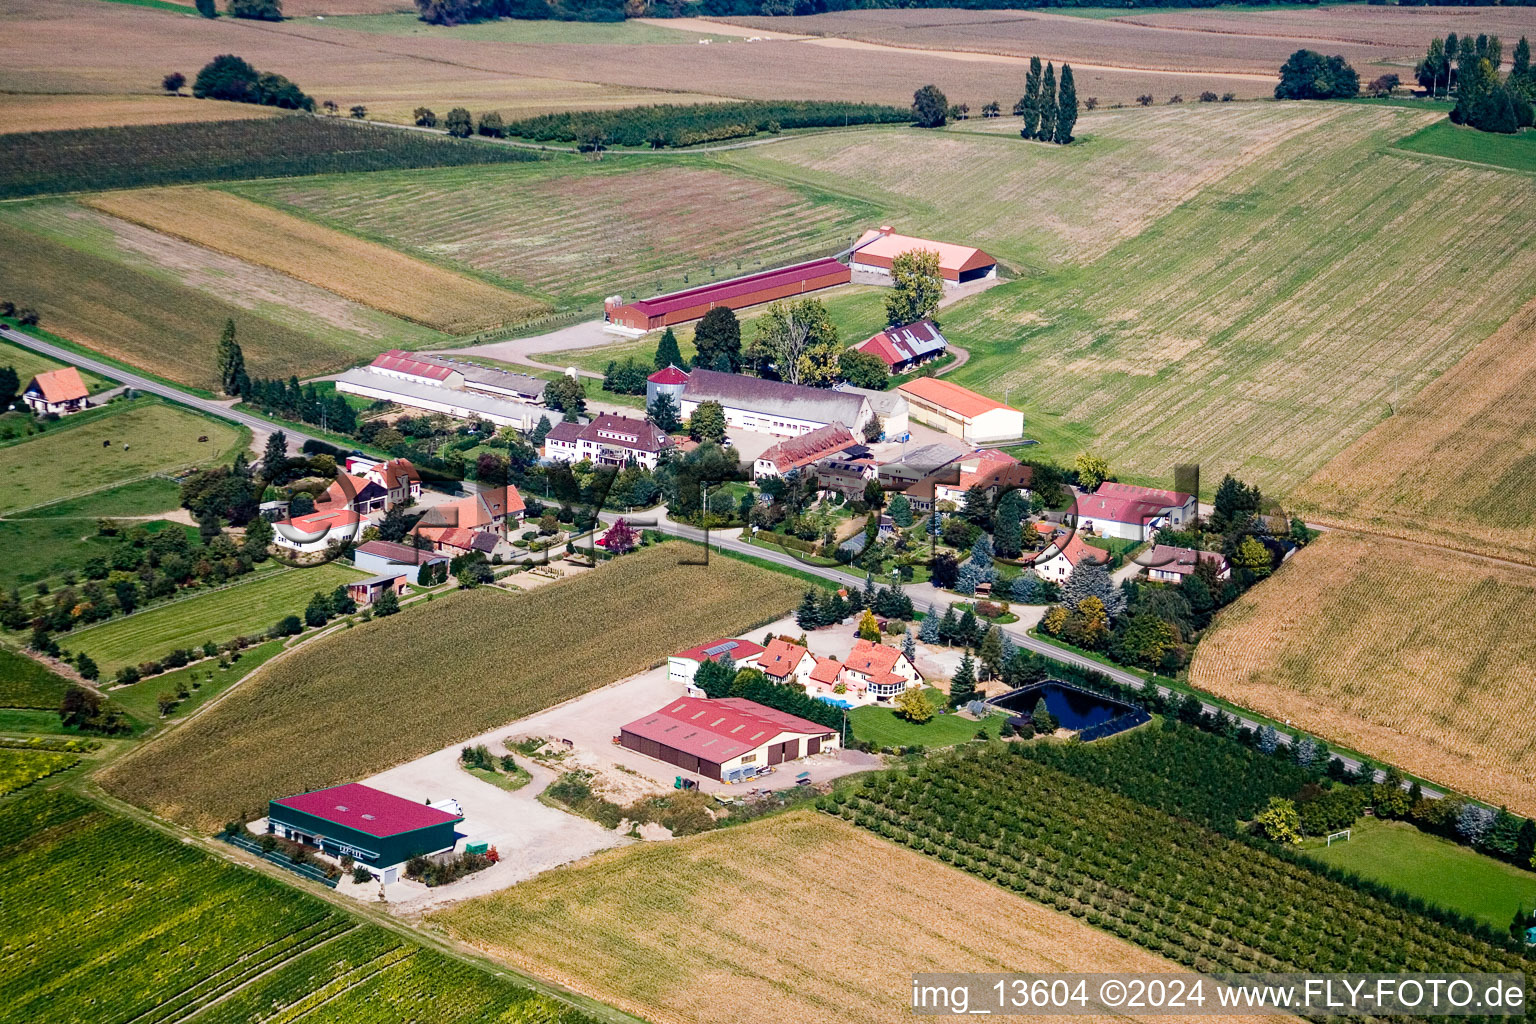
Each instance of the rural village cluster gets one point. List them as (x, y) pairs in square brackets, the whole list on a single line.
[(663, 557)]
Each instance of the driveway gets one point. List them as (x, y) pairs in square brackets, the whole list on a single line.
[(587, 334), (530, 837)]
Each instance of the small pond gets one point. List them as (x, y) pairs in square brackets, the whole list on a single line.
[(1075, 709)]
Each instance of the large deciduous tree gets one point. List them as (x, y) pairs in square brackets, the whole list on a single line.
[(1308, 75), (930, 108), (718, 334), (918, 285), (800, 340)]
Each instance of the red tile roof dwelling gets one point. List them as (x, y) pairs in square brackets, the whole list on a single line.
[(877, 249), (458, 524), (974, 418), (805, 450), (1064, 554), (318, 530), (358, 493), (903, 348), (872, 673), (1129, 512), (727, 739), (766, 286), (57, 392), (682, 665), (1168, 564), (784, 662), (990, 469)]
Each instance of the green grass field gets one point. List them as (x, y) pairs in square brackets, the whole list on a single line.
[(883, 727), (111, 921), (518, 31), (394, 689), (122, 443), (251, 605), (580, 230), (25, 683), (1435, 870), (1517, 152), (145, 497), (29, 364), (203, 681), (49, 541)]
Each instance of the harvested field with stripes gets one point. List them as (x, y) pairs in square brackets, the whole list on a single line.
[(1035, 204), (1456, 465), (353, 268), (714, 927), (45, 113), (1414, 656), (584, 230), (1246, 329)]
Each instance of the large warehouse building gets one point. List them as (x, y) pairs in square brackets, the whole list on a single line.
[(876, 250), (726, 739), (379, 830), (772, 406), (975, 419), (767, 286)]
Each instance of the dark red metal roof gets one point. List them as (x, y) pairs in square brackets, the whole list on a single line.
[(671, 375), (368, 810), (405, 362), (723, 290)]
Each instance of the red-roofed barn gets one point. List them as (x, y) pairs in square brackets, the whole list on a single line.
[(767, 286), (725, 739)]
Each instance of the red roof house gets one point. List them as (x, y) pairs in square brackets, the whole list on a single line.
[(57, 391)]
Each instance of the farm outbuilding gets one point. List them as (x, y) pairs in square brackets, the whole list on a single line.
[(379, 830), (877, 249), (382, 556), (975, 419), (754, 289), (725, 739)]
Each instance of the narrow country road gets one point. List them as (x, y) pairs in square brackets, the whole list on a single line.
[(258, 425)]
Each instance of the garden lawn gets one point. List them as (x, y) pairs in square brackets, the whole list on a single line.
[(121, 443), (29, 364), (883, 727), (1435, 870), (132, 500), (251, 605), (387, 691), (25, 683), (45, 549)]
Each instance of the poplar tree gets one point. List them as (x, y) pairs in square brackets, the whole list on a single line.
[(232, 376), (1029, 106), (1066, 107), (1048, 105)]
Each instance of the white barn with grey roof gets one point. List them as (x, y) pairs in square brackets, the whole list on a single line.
[(774, 407), (504, 412)]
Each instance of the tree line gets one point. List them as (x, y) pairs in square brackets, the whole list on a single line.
[(669, 125), (1469, 69), (1049, 111)]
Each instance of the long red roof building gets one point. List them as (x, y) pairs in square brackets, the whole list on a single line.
[(766, 286)]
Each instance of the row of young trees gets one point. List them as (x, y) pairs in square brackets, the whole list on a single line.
[(1050, 114)]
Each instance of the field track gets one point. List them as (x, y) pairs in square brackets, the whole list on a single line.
[(359, 270), (676, 932), (1411, 655)]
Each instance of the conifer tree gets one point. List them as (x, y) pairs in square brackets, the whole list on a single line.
[(901, 511), (1047, 131), (929, 632), (1066, 107), (947, 626), (232, 376), (967, 628), (962, 688), (991, 651), (541, 431), (1008, 535), (909, 647), (808, 615), (1029, 106), (667, 352)]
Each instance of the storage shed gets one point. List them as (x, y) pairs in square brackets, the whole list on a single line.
[(720, 738), (379, 830), (738, 293)]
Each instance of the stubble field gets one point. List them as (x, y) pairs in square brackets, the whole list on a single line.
[(365, 272), (713, 928), (1033, 204), (1412, 655), (1454, 466), (1268, 321), (393, 689), (583, 231), (46, 113), (160, 304)]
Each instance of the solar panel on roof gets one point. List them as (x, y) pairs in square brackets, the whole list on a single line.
[(729, 645)]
